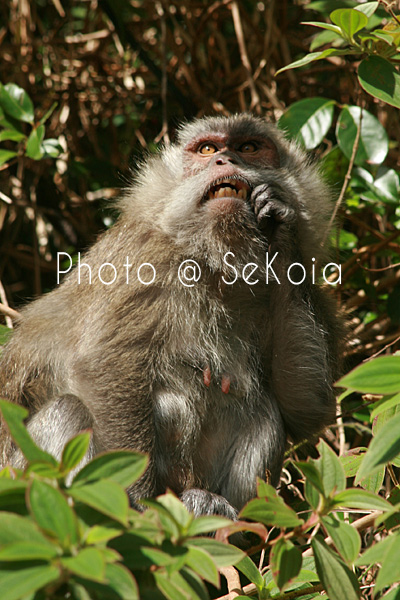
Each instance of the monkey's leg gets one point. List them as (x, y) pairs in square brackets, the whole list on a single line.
[(56, 423), (203, 502), (252, 447), (256, 450)]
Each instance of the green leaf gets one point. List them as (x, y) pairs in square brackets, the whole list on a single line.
[(347, 240), (88, 563), (270, 508), (324, 38), (120, 585), (377, 552), (312, 496), (201, 562), (207, 524), (224, 555), (7, 123), (105, 496), (337, 579), (75, 450), (28, 550), (322, 25), (384, 447), (123, 467), (310, 471), (373, 144), (122, 582), (11, 134), (5, 156), (19, 583), (5, 334), (14, 416), (155, 556), (387, 186), (349, 20), (176, 509), (52, 512), (195, 586), (249, 569), (51, 148), (308, 120), (355, 498), (101, 533), (168, 587), (381, 79), (384, 418), (270, 511), (378, 376), (285, 561), (16, 102), (387, 553), (14, 528), (44, 470), (34, 143), (315, 56), (169, 524), (345, 537), (373, 483), (368, 8), (384, 404), (330, 467)]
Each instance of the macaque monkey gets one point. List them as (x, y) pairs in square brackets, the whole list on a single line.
[(207, 374)]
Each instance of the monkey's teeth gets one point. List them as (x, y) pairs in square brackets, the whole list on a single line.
[(229, 188), (228, 192)]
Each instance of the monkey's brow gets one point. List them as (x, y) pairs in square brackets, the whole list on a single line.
[(227, 138), (212, 136)]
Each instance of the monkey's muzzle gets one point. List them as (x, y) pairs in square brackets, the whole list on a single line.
[(228, 187)]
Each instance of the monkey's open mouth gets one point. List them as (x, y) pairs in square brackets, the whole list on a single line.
[(228, 188)]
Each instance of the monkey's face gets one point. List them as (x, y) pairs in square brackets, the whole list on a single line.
[(200, 191), (221, 162), (227, 161)]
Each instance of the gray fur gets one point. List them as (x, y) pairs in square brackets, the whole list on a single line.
[(127, 360)]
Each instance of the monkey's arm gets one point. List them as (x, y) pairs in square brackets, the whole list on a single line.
[(305, 331)]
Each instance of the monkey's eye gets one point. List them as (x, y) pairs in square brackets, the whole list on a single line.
[(207, 148), (248, 148)]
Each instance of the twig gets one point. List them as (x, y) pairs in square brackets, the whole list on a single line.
[(342, 436), (9, 312), (346, 180), (298, 593), (5, 309), (164, 80), (359, 525), (233, 580), (255, 98), (383, 349), (251, 590)]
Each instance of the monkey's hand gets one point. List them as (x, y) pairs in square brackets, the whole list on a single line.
[(270, 210)]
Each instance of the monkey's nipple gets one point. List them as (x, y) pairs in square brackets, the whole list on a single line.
[(225, 380)]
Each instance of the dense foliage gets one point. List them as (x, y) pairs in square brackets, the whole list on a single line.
[(85, 87)]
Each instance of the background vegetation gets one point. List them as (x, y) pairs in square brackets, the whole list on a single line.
[(87, 87)]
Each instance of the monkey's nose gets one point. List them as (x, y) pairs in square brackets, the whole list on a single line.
[(225, 159)]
